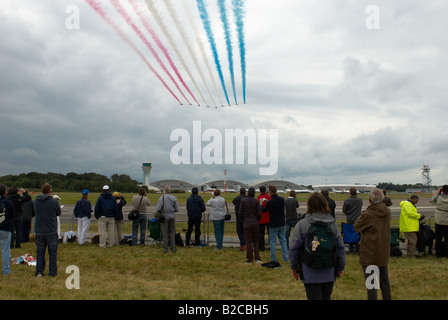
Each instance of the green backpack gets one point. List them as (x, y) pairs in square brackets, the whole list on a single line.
[(320, 246)]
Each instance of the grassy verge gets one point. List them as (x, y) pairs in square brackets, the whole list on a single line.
[(145, 272)]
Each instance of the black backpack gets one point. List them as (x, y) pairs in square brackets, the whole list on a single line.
[(320, 246)]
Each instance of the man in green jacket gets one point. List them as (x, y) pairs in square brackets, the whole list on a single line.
[(409, 223)]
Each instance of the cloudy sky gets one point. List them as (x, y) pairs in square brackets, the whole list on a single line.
[(356, 93)]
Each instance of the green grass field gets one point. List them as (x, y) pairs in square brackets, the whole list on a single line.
[(145, 272)]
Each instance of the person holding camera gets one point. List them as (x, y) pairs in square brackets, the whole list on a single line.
[(141, 203), (409, 224), (168, 206), (440, 200)]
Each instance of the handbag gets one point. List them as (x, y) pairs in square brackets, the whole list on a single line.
[(227, 217), (135, 213)]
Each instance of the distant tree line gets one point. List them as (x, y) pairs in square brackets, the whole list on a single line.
[(71, 182), (389, 186)]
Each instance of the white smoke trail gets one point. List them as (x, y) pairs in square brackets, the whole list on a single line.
[(201, 47), (158, 18), (170, 6)]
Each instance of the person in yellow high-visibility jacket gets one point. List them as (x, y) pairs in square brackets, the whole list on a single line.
[(409, 223)]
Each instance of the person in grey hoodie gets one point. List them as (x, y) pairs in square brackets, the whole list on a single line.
[(318, 282), (440, 200), (47, 210), (168, 204)]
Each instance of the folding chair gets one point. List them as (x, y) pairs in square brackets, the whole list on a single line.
[(350, 237), (155, 235)]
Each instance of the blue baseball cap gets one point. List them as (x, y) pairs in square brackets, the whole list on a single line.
[(85, 191)]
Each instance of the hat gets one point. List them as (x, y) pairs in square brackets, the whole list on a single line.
[(106, 187), (85, 191), (116, 194), (56, 197)]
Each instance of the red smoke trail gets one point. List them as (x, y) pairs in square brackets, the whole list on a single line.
[(96, 5), (160, 45), (128, 19)]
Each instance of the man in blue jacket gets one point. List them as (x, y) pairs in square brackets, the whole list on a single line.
[(195, 208), (6, 216), (105, 210)]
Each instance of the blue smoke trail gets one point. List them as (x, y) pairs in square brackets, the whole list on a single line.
[(238, 13), (225, 23), (206, 22)]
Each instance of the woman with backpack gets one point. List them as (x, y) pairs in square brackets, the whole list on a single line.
[(317, 252)]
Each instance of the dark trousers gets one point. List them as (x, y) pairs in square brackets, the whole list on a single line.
[(262, 228), (240, 231), (251, 233), (319, 291), (384, 284), (441, 241), (17, 231), (196, 223), (42, 242)]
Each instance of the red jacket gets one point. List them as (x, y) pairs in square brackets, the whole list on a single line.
[(265, 216)]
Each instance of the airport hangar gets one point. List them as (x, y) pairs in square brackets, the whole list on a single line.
[(283, 186)]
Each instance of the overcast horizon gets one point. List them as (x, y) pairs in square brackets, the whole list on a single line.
[(351, 102)]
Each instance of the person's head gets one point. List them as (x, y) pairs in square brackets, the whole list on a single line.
[(13, 190), (353, 191), (167, 189), (217, 192), (292, 193), (384, 191), (376, 196), (85, 194), (263, 189), (141, 191), (272, 189), (325, 193), (46, 188), (251, 192), (414, 198), (195, 190), (317, 203), (2, 190), (106, 188), (445, 188), (242, 191)]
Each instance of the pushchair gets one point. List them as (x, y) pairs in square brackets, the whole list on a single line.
[(350, 237), (155, 235)]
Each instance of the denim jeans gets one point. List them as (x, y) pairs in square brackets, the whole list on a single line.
[(273, 234), (42, 242), (5, 243), (141, 222), (218, 226)]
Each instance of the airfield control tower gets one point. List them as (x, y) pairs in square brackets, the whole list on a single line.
[(146, 167)]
